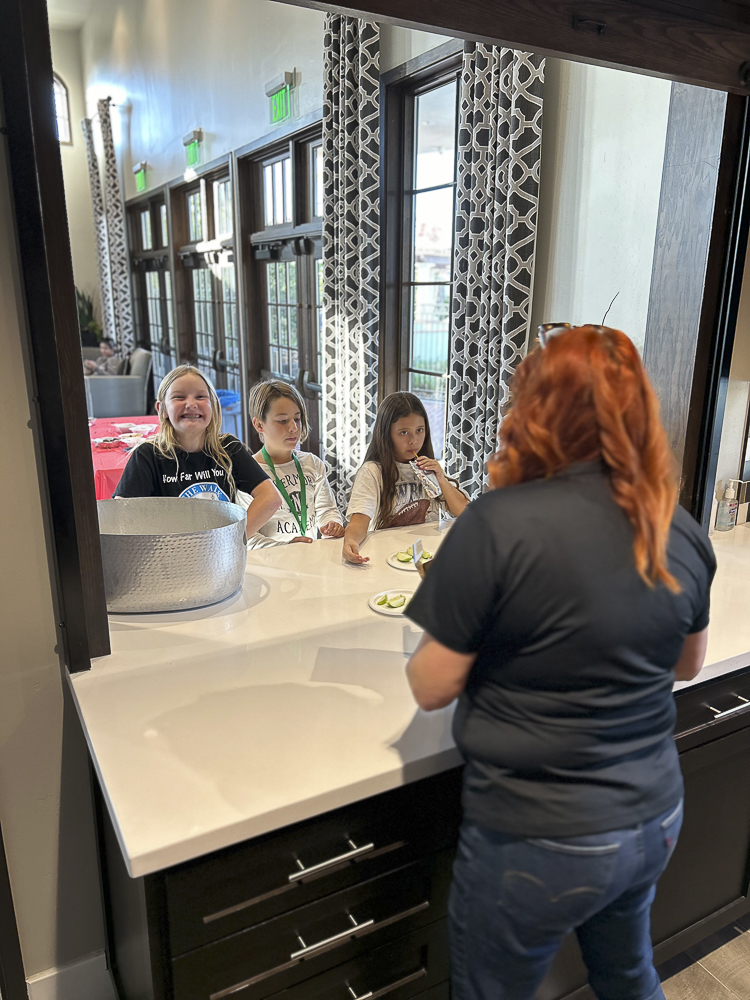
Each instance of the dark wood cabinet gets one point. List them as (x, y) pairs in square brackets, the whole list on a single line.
[(353, 903)]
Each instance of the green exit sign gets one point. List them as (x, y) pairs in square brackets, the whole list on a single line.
[(193, 153), (281, 105), (140, 180)]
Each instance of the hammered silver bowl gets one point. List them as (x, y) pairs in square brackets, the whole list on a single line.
[(170, 553)]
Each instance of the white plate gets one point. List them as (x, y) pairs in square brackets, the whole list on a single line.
[(391, 612), (408, 566)]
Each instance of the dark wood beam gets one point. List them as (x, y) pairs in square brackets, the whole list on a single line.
[(54, 345), (671, 40), (683, 232)]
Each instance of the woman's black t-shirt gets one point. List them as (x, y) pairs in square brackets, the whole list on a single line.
[(567, 719), (195, 474)]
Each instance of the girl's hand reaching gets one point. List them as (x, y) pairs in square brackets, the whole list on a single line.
[(299, 538), (332, 530), (351, 553)]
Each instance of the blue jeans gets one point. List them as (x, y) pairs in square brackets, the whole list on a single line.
[(513, 900)]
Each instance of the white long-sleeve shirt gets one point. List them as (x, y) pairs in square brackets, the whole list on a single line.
[(282, 527)]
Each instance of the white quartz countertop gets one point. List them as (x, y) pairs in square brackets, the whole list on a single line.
[(729, 628), (210, 727)]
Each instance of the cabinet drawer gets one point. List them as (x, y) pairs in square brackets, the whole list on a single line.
[(239, 887), (399, 970), (295, 946)]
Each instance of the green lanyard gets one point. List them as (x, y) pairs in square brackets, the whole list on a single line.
[(302, 522)]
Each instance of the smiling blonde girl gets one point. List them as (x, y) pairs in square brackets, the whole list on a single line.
[(190, 457)]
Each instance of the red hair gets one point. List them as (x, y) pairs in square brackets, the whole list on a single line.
[(584, 396)]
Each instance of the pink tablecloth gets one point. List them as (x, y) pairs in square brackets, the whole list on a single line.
[(108, 465)]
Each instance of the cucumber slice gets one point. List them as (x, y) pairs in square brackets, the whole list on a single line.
[(397, 602), (426, 556), (383, 600), (410, 551), (403, 556)]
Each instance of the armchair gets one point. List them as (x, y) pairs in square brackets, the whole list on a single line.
[(120, 395)]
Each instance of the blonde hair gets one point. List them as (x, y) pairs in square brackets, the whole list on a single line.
[(264, 393), (166, 442)]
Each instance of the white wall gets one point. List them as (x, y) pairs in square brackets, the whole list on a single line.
[(45, 807), (174, 65), (603, 141), (66, 61), (399, 45)]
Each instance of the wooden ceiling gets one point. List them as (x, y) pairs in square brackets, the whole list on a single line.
[(703, 42)]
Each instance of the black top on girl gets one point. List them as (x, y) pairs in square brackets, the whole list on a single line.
[(191, 458), (401, 482)]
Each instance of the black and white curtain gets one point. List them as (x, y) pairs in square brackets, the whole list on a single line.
[(351, 244), (111, 240), (497, 196)]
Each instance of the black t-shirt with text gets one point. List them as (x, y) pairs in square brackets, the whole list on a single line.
[(567, 719), (195, 474)]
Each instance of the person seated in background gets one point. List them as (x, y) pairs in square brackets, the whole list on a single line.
[(190, 457), (279, 416), (106, 364)]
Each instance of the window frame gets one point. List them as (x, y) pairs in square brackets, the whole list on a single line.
[(57, 79), (145, 260), (261, 243), (187, 254), (399, 88)]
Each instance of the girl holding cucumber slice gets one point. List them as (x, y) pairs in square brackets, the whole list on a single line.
[(278, 414), (401, 482)]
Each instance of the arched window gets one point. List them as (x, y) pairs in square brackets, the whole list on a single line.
[(62, 111)]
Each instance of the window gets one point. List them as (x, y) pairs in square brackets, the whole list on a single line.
[(282, 185), (277, 191), (421, 172), (203, 216), (62, 111), (152, 283)]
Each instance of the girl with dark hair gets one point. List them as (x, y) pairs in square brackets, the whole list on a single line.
[(401, 482), (560, 610)]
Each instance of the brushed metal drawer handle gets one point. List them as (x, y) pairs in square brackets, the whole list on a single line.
[(299, 956), (315, 871), (744, 702), (356, 852), (310, 949), (390, 988)]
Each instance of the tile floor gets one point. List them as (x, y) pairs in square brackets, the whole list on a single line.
[(716, 969)]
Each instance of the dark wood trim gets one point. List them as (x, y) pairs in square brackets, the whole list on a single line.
[(201, 172), (53, 338), (284, 132), (12, 977), (721, 296), (683, 233), (662, 39), (424, 63)]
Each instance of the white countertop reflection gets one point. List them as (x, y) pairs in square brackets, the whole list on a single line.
[(729, 627), (209, 727), (212, 726)]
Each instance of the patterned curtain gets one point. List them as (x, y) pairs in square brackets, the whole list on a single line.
[(100, 233), (497, 194), (351, 243), (119, 263), (110, 239)]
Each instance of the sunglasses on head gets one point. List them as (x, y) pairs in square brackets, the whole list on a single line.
[(546, 331)]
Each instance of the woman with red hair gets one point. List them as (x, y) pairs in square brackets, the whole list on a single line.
[(560, 609)]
